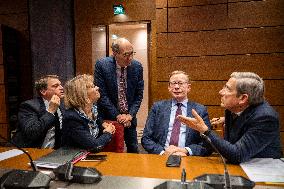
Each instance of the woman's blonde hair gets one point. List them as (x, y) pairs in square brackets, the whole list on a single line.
[(75, 91)]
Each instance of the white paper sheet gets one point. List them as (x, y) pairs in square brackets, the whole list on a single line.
[(9, 154), (264, 170)]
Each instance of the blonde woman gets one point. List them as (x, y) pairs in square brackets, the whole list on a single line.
[(80, 125)]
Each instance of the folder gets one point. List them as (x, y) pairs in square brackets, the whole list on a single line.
[(61, 156)]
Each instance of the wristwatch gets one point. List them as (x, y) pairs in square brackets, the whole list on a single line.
[(207, 132)]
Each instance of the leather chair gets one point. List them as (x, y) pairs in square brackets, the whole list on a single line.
[(117, 142)]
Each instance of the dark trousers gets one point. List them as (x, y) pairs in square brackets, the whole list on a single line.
[(130, 138)]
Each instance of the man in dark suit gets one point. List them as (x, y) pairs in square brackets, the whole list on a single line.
[(40, 119), (120, 79), (251, 124), (163, 133)]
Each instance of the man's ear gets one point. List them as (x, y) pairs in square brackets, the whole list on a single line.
[(169, 88), (189, 87), (243, 99), (43, 92)]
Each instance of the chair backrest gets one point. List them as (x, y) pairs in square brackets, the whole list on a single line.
[(117, 142)]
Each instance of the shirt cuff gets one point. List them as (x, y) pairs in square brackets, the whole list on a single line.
[(189, 151), (162, 152)]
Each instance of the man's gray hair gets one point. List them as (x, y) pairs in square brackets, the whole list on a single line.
[(251, 84)]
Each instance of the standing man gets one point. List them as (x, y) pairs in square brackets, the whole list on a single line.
[(251, 124), (120, 79), (40, 119), (163, 133)]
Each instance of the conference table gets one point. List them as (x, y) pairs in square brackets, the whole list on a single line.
[(126, 165)]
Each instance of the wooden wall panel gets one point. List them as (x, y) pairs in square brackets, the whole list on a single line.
[(161, 16), (179, 3), (207, 92), (4, 131), (221, 42), (198, 18), (256, 13), (1, 52), (161, 3), (15, 6), (1, 74), (220, 67), (218, 16), (3, 112), (17, 21)]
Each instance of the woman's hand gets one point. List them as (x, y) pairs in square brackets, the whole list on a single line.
[(110, 128)]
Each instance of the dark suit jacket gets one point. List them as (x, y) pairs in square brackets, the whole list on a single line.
[(156, 129), (106, 80), (76, 132), (33, 123), (255, 134)]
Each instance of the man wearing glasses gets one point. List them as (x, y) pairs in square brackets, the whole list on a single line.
[(120, 79), (163, 133), (251, 124)]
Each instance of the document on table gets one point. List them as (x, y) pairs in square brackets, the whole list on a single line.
[(9, 154), (264, 170)]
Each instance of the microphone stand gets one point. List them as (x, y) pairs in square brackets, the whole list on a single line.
[(22, 178), (226, 181), (34, 167), (226, 172)]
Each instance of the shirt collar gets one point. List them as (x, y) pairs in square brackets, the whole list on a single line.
[(46, 103), (184, 102)]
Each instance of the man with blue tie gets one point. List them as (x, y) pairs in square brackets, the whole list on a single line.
[(163, 133), (120, 79)]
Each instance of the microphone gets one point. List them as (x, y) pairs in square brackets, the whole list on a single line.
[(227, 181), (226, 173), (24, 178), (182, 184), (84, 175)]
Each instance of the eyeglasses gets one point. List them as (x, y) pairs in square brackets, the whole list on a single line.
[(179, 83), (128, 54)]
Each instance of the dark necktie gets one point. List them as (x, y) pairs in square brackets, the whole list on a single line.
[(176, 127), (57, 131), (122, 93)]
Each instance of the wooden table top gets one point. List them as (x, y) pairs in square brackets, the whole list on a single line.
[(136, 165)]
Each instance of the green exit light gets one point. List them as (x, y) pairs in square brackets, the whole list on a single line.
[(118, 9)]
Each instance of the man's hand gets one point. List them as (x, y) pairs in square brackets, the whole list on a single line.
[(217, 121), (124, 119), (195, 123), (54, 103), (175, 151)]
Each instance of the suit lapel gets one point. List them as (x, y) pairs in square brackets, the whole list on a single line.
[(129, 80), (166, 119), (113, 78), (42, 107)]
